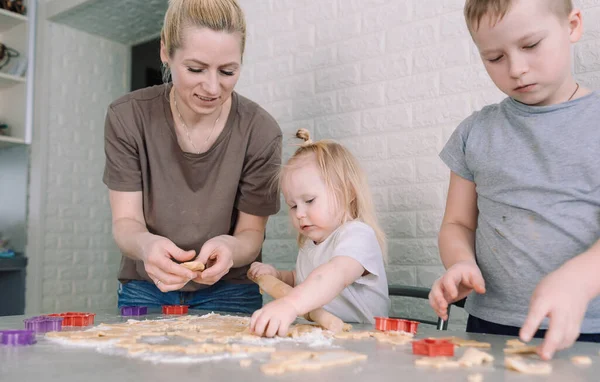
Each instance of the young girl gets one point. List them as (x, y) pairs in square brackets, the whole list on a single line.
[(340, 265)]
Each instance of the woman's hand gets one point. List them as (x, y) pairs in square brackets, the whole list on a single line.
[(217, 255), (157, 254)]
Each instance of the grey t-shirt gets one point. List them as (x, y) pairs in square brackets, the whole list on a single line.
[(537, 176)]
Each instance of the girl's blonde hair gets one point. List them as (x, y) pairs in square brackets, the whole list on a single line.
[(344, 177), (217, 15)]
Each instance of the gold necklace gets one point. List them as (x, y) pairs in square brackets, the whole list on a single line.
[(187, 131), (576, 88)]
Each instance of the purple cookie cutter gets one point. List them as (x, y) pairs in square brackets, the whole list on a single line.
[(17, 337), (44, 324), (134, 310)]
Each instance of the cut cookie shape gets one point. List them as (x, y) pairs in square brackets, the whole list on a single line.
[(301, 329), (245, 363), (461, 342), (195, 266), (394, 338), (390, 337), (437, 363), (285, 361), (514, 343), (581, 360), (531, 349), (474, 357), (358, 335), (519, 364)]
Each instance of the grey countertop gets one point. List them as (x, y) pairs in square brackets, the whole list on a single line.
[(48, 361)]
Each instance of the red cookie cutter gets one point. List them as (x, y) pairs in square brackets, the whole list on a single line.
[(75, 318), (386, 324), (433, 348), (175, 309)]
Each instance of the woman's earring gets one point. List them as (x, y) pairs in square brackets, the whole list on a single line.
[(166, 72)]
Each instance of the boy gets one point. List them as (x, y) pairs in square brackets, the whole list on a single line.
[(522, 218)]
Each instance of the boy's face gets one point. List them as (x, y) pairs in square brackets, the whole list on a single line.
[(528, 53)]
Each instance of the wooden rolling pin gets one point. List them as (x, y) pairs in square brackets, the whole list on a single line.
[(278, 289)]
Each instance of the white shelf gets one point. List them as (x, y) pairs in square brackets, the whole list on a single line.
[(6, 141), (8, 80), (9, 19)]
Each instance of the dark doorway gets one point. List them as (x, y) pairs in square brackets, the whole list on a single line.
[(145, 65)]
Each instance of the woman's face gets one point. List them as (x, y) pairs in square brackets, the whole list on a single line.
[(205, 68)]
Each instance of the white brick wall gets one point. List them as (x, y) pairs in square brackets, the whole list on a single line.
[(80, 261), (391, 79)]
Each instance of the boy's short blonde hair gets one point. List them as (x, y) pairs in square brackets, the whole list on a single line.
[(475, 10)]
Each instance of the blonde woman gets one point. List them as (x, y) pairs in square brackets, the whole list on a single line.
[(340, 264), (188, 166)]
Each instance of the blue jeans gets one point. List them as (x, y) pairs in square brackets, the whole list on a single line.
[(220, 297)]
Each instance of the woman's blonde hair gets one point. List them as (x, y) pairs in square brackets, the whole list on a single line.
[(344, 177), (217, 15)]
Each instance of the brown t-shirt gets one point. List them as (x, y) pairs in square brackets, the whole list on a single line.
[(190, 198)]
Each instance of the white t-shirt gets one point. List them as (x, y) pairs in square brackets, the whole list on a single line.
[(365, 298)]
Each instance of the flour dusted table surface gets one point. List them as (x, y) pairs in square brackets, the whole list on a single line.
[(48, 361)]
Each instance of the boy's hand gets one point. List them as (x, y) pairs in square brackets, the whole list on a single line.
[(274, 318), (454, 285), (563, 297), (259, 269)]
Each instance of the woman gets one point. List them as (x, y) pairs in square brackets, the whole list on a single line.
[(188, 167)]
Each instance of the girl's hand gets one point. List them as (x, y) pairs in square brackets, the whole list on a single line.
[(157, 254), (562, 296), (259, 269), (454, 285), (274, 318), (217, 254)]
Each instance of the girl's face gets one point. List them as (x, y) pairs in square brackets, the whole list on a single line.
[(313, 210), (205, 69)]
